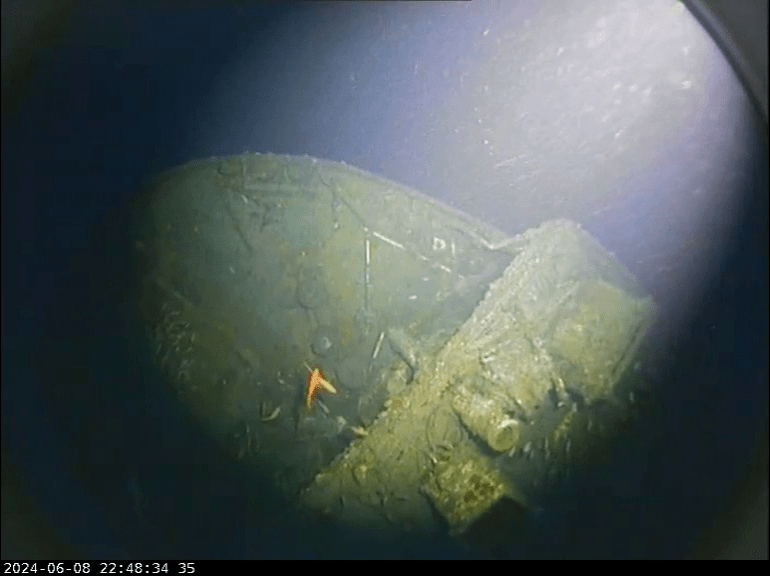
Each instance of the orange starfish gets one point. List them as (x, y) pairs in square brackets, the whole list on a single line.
[(315, 383)]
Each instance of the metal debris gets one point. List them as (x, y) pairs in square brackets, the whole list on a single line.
[(378, 345), (388, 240), (272, 416)]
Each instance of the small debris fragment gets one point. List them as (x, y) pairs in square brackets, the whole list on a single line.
[(273, 415)]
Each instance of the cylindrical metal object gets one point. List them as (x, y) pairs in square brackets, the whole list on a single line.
[(484, 417)]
